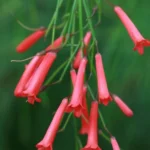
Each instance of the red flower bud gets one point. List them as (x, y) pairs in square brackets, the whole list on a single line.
[(47, 141), (133, 32), (57, 43), (124, 108), (103, 92), (29, 41)]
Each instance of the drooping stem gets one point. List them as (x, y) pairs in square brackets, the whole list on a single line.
[(87, 11), (66, 123), (80, 21), (54, 18), (75, 133)]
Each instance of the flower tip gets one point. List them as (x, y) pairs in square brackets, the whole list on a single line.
[(41, 145), (98, 55), (114, 143), (117, 8), (106, 101), (65, 101)]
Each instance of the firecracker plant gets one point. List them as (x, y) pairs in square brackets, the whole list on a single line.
[(77, 21)]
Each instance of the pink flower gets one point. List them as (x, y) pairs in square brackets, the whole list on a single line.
[(39, 77), (76, 99), (133, 32), (124, 108), (103, 92), (79, 56), (29, 70), (92, 142), (85, 116), (47, 141), (114, 144)]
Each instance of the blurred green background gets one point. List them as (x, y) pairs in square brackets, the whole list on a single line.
[(128, 75)]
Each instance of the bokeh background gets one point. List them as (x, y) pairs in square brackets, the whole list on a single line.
[(128, 75)]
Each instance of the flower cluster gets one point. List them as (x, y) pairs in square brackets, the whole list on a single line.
[(36, 71)]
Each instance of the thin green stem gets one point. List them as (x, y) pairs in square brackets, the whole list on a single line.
[(66, 123), (54, 18), (99, 4), (102, 119), (87, 11), (91, 93), (64, 29), (72, 39), (69, 61), (80, 20), (91, 56), (56, 72), (80, 143), (104, 136), (71, 20), (75, 133), (103, 123)]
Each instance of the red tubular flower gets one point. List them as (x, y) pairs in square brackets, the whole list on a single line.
[(47, 141), (78, 56), (124, 108), (103, 92), (29, 70), (114, 143), (133, 32), (29, 41), (76, 100), (85, 116), (92, 142), (57, 43), (39, 77)]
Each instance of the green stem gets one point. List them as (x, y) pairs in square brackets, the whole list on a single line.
[(66, 123), (91, 93), (72, 39), (56, 72), (75, 133), (91, 56), (87, 11), (104, 136), (102, 119), (54, 18), (71, 20), (80, 143), (80, 20), (99, 4), (63, 33)]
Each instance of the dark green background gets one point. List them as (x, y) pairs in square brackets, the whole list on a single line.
[(128, 75)]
